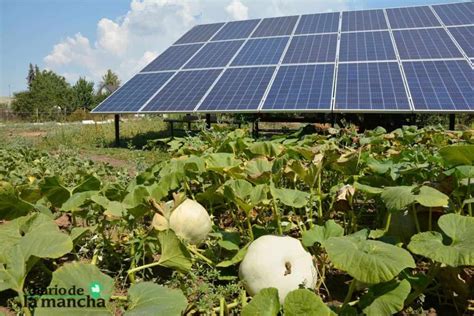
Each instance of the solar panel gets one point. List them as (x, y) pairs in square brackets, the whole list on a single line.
[(335, 61), (464, 35), (183, 92), (200, 33), (403, 18), (441, 85), (307, 87), (276, 26), (363, 20), (363, 46), (134, 93), (425, 43), (236, 30), (311, 49), (173, 58), (265, 51), (371, 87), (456, 13), (239, 89), (216, 54), (318, 23)]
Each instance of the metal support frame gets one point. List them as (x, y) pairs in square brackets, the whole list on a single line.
[(117, 130), (208, 121), (452, 122)]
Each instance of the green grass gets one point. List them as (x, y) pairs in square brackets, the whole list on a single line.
[(92, 141)]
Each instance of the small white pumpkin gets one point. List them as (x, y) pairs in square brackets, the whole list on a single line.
[(189, 221), (279, 262)]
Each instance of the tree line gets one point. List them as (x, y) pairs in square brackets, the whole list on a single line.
[(49, 94)]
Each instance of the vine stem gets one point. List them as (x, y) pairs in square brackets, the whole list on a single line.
[(276, 213), (389, 219), (193, 250), (433, 270), (417, 223), (349, 294)]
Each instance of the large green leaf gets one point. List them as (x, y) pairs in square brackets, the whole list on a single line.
[(290, 197), (239, 256), (398, 198), (319, 234), (265, 303), (54, 190), (385, 298), (88, 277), (304, 302), (458, 155), (11, 205), (430, 197), (174, 254), (90, 183), (34, 235), (369, 261), (459, 251), (222, 162), (268, 149), (258, 167), (77, 200), (148, 298)]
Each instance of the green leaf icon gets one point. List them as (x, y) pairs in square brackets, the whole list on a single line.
[(95, 289)]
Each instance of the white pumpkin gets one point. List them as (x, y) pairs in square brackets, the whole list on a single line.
[(279, 262), (189, 221)]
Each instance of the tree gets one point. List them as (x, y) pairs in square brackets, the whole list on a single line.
[(83, 94), (48, 94), (110, 82), (31, 74)]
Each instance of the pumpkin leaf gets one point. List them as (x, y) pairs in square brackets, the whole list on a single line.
[(174, 254), (305, 302), (148, 298), (369, 261), (385, 298), (319, 234), (430, 197), (265, 303), (459, 251), (398, 198), (88, 277), (458, 155), (290, 197)]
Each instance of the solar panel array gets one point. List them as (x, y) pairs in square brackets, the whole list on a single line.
[(411, 59)]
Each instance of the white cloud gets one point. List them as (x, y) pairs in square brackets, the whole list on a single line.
[(128, 43), (238, 10)]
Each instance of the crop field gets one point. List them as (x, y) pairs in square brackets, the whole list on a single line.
[(219, 223)]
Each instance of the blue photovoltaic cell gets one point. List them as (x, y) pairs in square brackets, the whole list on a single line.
[(276, 26), (200, 33), (440, 85), (362, 46), (318, 23), (215, 55), (236, 30), (265, 51), (183, 92), (404, 18), (456, 13), (311, 49), (464, 35), (371, 86), (307, 87), (239, 89), (134, 94), (173, 58), (363, 20), (425, 43)]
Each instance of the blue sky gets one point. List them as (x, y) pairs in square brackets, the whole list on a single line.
[(86, 37)]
